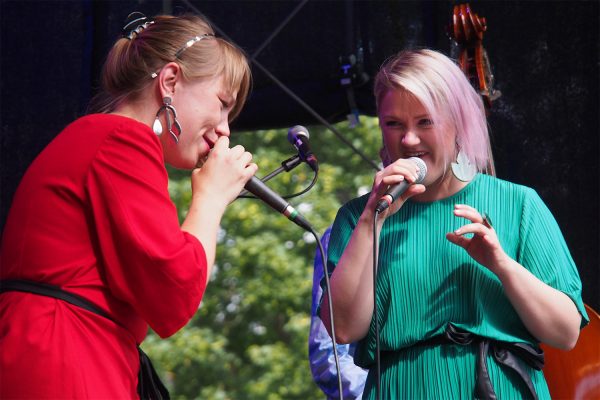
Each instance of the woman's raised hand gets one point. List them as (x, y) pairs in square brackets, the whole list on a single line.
[(484, 246), (224, 173), (396, 172)]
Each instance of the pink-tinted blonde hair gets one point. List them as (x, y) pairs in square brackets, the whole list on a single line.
[(445, 92), (130, 63)]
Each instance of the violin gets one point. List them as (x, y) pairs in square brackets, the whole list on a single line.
[(467, 30)]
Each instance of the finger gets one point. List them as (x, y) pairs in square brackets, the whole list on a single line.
[(245, 158), (221, 143), (476, 229), (409, 170), (237, 151), (251, 169), (468, 212), (392, 180), (413, 190), (458, 240)]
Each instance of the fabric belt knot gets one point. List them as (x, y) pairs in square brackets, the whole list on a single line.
[(505, 353)]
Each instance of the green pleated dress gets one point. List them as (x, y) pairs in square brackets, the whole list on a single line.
[(425, 282)]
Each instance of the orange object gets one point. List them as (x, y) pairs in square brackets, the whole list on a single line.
[(575, 374), (467, 31)]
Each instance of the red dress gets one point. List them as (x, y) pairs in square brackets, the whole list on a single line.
[(93, 215)]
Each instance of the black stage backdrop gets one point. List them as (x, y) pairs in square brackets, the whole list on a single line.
[(544, 56)]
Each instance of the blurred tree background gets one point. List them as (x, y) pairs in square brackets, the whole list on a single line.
[(249, 338)]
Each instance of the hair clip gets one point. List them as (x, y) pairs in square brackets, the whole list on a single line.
[(192, 41), (136, 22)]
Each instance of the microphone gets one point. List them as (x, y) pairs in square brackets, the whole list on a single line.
[(396, 190), (298, 136), (266, 194)]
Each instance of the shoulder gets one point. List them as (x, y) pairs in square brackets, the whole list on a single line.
[(120, 146), (358, 203), (355, 206), (491, 184), (110, 123), (348, 215), (113, 132)]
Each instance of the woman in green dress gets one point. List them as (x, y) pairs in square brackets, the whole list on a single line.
[(462, 304)]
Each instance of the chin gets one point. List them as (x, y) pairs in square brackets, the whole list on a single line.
[(182, 164)]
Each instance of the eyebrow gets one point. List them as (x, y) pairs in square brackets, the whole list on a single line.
[(421, 116)]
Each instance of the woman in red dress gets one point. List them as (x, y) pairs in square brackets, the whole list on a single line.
[(92, 216)]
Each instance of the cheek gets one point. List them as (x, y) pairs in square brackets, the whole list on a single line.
[(390, 140)]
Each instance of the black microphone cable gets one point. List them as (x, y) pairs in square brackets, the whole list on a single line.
[(330, 308), (276, 202), (287, 196), (375, 314)]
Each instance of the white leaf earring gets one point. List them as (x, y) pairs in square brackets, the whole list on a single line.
[(462, 169)]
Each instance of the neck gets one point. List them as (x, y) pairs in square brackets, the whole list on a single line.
[(444, 187), (140, 111)]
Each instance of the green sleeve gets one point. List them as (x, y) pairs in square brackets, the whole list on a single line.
[(543, 251)]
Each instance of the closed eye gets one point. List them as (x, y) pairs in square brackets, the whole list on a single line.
[(425, 122), (225, 104)]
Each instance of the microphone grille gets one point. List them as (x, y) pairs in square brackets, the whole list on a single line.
[(422, 168), (296, 131)]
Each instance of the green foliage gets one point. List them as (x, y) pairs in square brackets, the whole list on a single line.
[(249, 338)]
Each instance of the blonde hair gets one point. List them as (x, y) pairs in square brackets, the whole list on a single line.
[(131, 62), (445, 92)]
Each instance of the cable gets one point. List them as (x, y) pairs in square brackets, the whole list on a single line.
[(289, 196), (330, 308), (375, 262)]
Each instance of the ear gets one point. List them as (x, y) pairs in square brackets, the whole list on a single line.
[(168, 77)]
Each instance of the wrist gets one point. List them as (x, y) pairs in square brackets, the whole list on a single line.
[(366, 219), (506, 268), (204, 202)]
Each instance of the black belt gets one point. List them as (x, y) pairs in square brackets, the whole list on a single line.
[(149, 384), (505, 353)]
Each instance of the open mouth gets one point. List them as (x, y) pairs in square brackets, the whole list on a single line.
[(419, 154)]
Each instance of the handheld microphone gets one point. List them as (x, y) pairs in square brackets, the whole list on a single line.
[(298, 136), (396, 190), (266, 194)]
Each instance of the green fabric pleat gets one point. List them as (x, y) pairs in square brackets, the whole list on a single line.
[(425, 282)]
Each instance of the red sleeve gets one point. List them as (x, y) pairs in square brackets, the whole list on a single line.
[(150, 263)]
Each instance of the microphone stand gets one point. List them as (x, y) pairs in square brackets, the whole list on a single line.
[(286, 165)]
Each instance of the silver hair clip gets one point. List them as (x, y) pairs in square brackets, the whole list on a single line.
[(187, 45), (137, 22), (192, 41)]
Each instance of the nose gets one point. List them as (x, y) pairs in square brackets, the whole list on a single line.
[(223, 128), (410, 138)]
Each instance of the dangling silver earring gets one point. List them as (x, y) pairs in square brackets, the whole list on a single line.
[(167, 108), (462, 169)]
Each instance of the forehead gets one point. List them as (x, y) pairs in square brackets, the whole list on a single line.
[(400, 102), (215, 84)]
